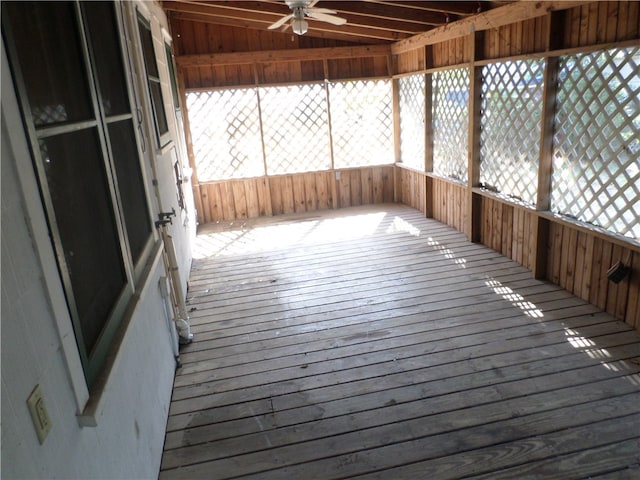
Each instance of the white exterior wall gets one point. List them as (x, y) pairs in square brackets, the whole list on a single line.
[(37, 337)]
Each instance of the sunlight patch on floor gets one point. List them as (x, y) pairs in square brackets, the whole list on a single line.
[(517, 300), (247, 240)]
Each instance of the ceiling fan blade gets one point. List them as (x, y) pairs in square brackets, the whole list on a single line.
[(320, 10), (280, 22), (323, 17)]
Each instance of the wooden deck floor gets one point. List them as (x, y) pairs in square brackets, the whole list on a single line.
[(375, 343)]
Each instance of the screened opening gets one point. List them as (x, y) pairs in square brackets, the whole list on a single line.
[(412, 120), (451, 123), (596, 160), (510, 133), (247, 132)]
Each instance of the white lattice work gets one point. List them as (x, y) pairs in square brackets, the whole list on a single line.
[(596, 161), (412, 120), (225, 132), (451, 123), (361, 123), (295, 128), (510, 135)]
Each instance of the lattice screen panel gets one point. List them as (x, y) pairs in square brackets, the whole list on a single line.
[(412, 120), (451, 123), (295, 128), (596, 161), (510, 135), (225, 132), (361, 123)]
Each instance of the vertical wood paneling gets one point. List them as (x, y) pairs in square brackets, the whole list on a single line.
[(299, 194), (632, 316), (323, 189), (251, 198), (355, 185), (275, 188), (288, 200), (239, 199), (264, 197)]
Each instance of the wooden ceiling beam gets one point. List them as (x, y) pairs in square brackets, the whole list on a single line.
[(336, 34), (274, 56), (389, 12), (513, 12), (270, 12), (452, 8)]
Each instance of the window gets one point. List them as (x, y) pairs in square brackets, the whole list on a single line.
[(153, 82), (78, 114), (172, 76)]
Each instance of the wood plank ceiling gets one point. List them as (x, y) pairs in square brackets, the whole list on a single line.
[(368, 21)]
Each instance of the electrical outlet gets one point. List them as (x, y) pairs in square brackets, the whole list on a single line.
[(39, 414)]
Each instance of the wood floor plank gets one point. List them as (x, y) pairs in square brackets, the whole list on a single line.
[(375, 343)]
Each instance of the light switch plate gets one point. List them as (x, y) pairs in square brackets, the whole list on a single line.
[(39, 414)]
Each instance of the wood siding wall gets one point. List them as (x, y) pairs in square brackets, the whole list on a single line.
[(411, 187), (449, 203), (303, 192), (198, 38)]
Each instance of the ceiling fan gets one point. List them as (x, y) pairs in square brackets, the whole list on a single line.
[(305, 8)]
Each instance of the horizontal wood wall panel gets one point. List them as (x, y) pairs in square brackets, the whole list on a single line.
[(363, 67), (450, 203), (601, 22), (516, 39), (451, 52), (302, 192), (412, 188), (509, 229), (199, 38), (411, 61), (578, 261)]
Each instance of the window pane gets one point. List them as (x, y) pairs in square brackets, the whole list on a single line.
[(130, 185), (85, 219), (147, 49), (55, 80), (101, 20), (153, 80), (172, 77), (158, 107)]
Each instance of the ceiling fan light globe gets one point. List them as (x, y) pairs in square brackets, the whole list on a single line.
[(300, 26)]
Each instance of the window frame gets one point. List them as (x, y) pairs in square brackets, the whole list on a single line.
[(163, 138), (93, 363)]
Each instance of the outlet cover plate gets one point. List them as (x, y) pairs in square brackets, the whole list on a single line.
[(39, 414)]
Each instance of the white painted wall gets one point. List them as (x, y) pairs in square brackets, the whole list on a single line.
[(37, 343)]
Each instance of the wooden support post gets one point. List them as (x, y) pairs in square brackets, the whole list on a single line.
[(428, 132), (545, 161), (474, 202), (396, 135), (195, 183)]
